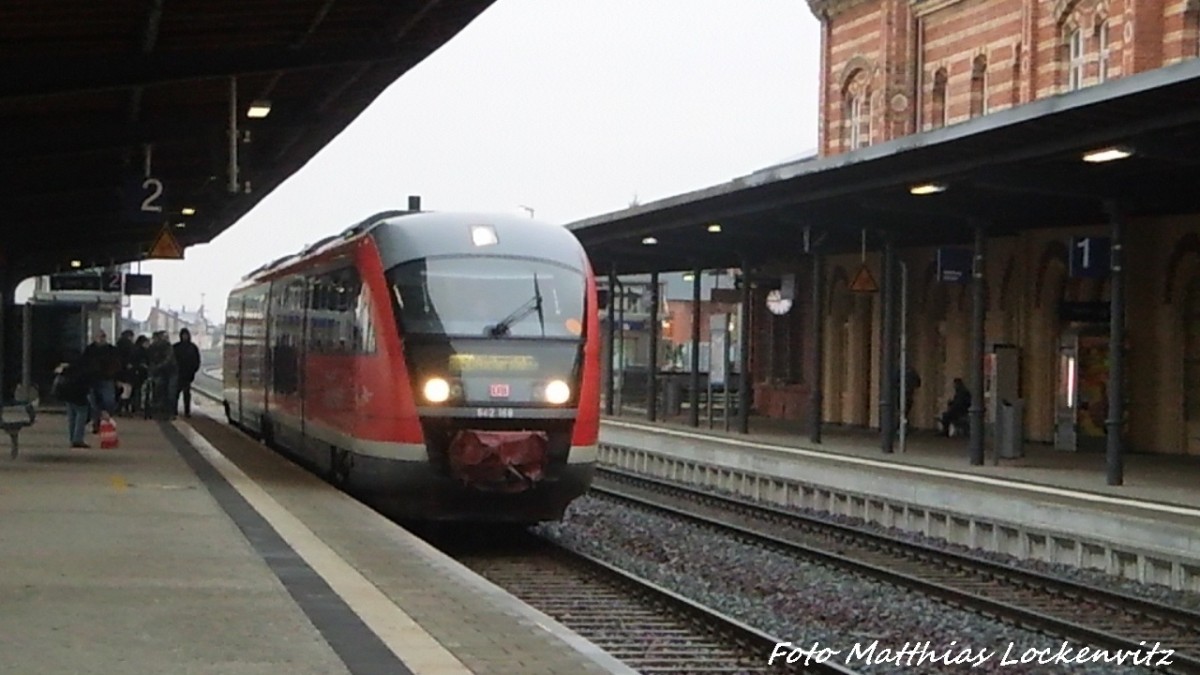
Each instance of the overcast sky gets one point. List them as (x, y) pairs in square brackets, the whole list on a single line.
[(570, 107)]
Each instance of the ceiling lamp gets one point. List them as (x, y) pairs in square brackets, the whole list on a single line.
[(927, 189), (1107, 155), (188, 211), (259, 109), (649, 241), (76, 264), (714, 228)]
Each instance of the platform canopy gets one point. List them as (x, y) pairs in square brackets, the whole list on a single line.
[(97, 97), (1015, 169)]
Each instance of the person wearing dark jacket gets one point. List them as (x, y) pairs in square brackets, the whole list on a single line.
[(187, 360), (160, 361), (957, 407), (73, 386), (103, 362), (126, 380), (139, 370)]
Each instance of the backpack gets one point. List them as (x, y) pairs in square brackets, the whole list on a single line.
[(68, 386)]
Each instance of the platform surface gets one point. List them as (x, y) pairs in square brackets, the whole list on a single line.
[(169, 555), (1169, 480)]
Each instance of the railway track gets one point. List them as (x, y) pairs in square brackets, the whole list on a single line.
[(649, 628), (1098, 617)]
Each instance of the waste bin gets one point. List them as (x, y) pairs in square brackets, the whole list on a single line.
[(672, 396), (1010, 425)]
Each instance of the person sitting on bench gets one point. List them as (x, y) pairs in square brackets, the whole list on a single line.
[(957, 408)]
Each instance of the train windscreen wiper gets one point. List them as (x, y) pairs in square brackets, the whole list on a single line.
[(534, 304)]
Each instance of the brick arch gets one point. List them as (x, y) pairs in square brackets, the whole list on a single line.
[(1063, 9), (1055, 250), (1187, 246), (852, 68)]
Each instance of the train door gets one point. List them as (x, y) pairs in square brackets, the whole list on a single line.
[(231, 362)]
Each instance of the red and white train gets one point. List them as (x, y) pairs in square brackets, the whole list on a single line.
[(442, 366)]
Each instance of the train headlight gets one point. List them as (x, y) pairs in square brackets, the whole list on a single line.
[(557, 392), (436, 390)]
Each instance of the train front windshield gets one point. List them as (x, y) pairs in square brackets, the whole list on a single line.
[(491, 297)]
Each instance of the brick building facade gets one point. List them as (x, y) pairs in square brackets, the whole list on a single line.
[(891, 68), (894, 67)]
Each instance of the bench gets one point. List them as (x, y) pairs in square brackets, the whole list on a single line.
[(13, 427)]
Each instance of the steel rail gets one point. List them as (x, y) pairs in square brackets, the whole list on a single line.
[(1042, 602)]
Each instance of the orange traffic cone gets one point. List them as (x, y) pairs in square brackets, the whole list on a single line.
[(108, 434)]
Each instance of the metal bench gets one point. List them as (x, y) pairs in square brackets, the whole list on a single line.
[(13, 427)]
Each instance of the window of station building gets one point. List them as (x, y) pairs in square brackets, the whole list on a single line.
[(937, 118), (1103, 54), (979, 86), (859, 121), (857, 126), (1075, 60)]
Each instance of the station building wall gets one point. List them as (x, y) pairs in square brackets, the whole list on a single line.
[(1026, 279), (894, 67)]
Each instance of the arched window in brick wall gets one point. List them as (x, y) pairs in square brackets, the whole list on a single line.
[(1075, 59), (857, 97), (1102, 53), (979, 86), (937, 116)]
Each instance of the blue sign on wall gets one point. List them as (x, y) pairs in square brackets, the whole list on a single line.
[(1090, 257), (954, 265)]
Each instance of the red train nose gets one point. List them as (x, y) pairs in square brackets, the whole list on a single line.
[(498, 461)]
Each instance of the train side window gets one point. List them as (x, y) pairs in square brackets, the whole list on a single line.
[(364, 325)]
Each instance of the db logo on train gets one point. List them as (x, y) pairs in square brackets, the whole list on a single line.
[(498, 391)]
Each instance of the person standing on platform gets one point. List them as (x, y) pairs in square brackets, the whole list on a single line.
[(187, 359), (163, 373), (73, 387), (103, 363), (125, 378)]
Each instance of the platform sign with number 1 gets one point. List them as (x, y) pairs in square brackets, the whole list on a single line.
[(1090, 257)]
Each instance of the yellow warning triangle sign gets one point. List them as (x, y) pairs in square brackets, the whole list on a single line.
[(165, 246), (864, 282)]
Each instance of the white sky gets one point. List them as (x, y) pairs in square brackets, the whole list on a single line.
[(571, 107)]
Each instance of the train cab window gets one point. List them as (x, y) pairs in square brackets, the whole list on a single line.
[(485, 296)]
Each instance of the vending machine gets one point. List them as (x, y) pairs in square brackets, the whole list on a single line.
[(1081, 400)]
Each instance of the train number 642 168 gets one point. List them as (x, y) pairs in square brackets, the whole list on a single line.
[(494, 412)]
